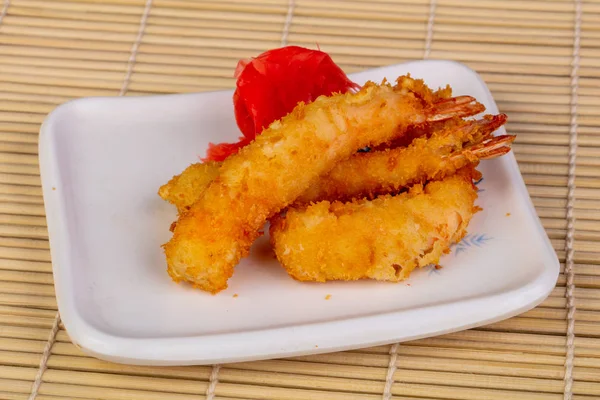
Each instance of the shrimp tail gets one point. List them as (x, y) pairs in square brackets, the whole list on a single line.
[(485, 150), (482, 129), (460, 106), (493, 148)]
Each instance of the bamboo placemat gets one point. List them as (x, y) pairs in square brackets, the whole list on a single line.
[(540, 58)]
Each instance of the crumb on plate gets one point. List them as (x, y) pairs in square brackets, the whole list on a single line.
[(327, 297)]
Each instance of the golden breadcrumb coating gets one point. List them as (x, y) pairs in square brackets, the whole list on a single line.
[(383, 239), (270, 173), (184, 189)]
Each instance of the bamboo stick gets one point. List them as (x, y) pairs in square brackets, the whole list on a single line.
[(554, 150), (519, 338), (100, 8), (13, 396), (561, 315), (150, 384), (200, 74), (24, 243), (18, 373), (228, 30), (517, 17), (20, 332), (184, 80), (28, 300), (30, 254), (69, 391), (29, 277), (69, 92), (20, 359), (107, 76), (364, 28), (49, 13), (19, 169), (17, 137), (22, 208), (23, 148), (19, 127), (275, 8), (65, 43), (252, 45), (20, 117), (467, 393), (153, 88), (25, 265), (520, 6), (561, 203), (108, 57), (21, 219), (106, 38), (26, 288), (442, 341), (516, 90), (187, 60), (62, 23), (536, 179), (30, 322), (554, 192), (520, 324), (418, 8), (24, 231), (21, 97), (28, 312), (94, 365), (27, 199), (508, 95), (14, 385), (62, 336)]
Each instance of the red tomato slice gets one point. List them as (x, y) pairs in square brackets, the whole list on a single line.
[(269, 86)]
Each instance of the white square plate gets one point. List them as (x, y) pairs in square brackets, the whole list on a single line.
[(102, 161)]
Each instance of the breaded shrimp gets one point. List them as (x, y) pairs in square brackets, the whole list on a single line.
[(362, 174), (387, 171), (383, 239), (270, 173)]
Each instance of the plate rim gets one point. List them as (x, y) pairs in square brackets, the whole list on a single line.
[(192, 350)]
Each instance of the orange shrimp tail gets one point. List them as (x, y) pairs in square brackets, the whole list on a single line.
[(492, 148), (460, 106)]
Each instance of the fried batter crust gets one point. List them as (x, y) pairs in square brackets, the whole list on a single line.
[(383, 239)]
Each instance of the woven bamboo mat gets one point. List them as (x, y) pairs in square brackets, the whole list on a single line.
[(540, 58)]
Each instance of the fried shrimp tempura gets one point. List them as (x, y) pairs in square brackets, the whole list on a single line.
[(366, 174), (383, 239), (387, 171), (270, 173)]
